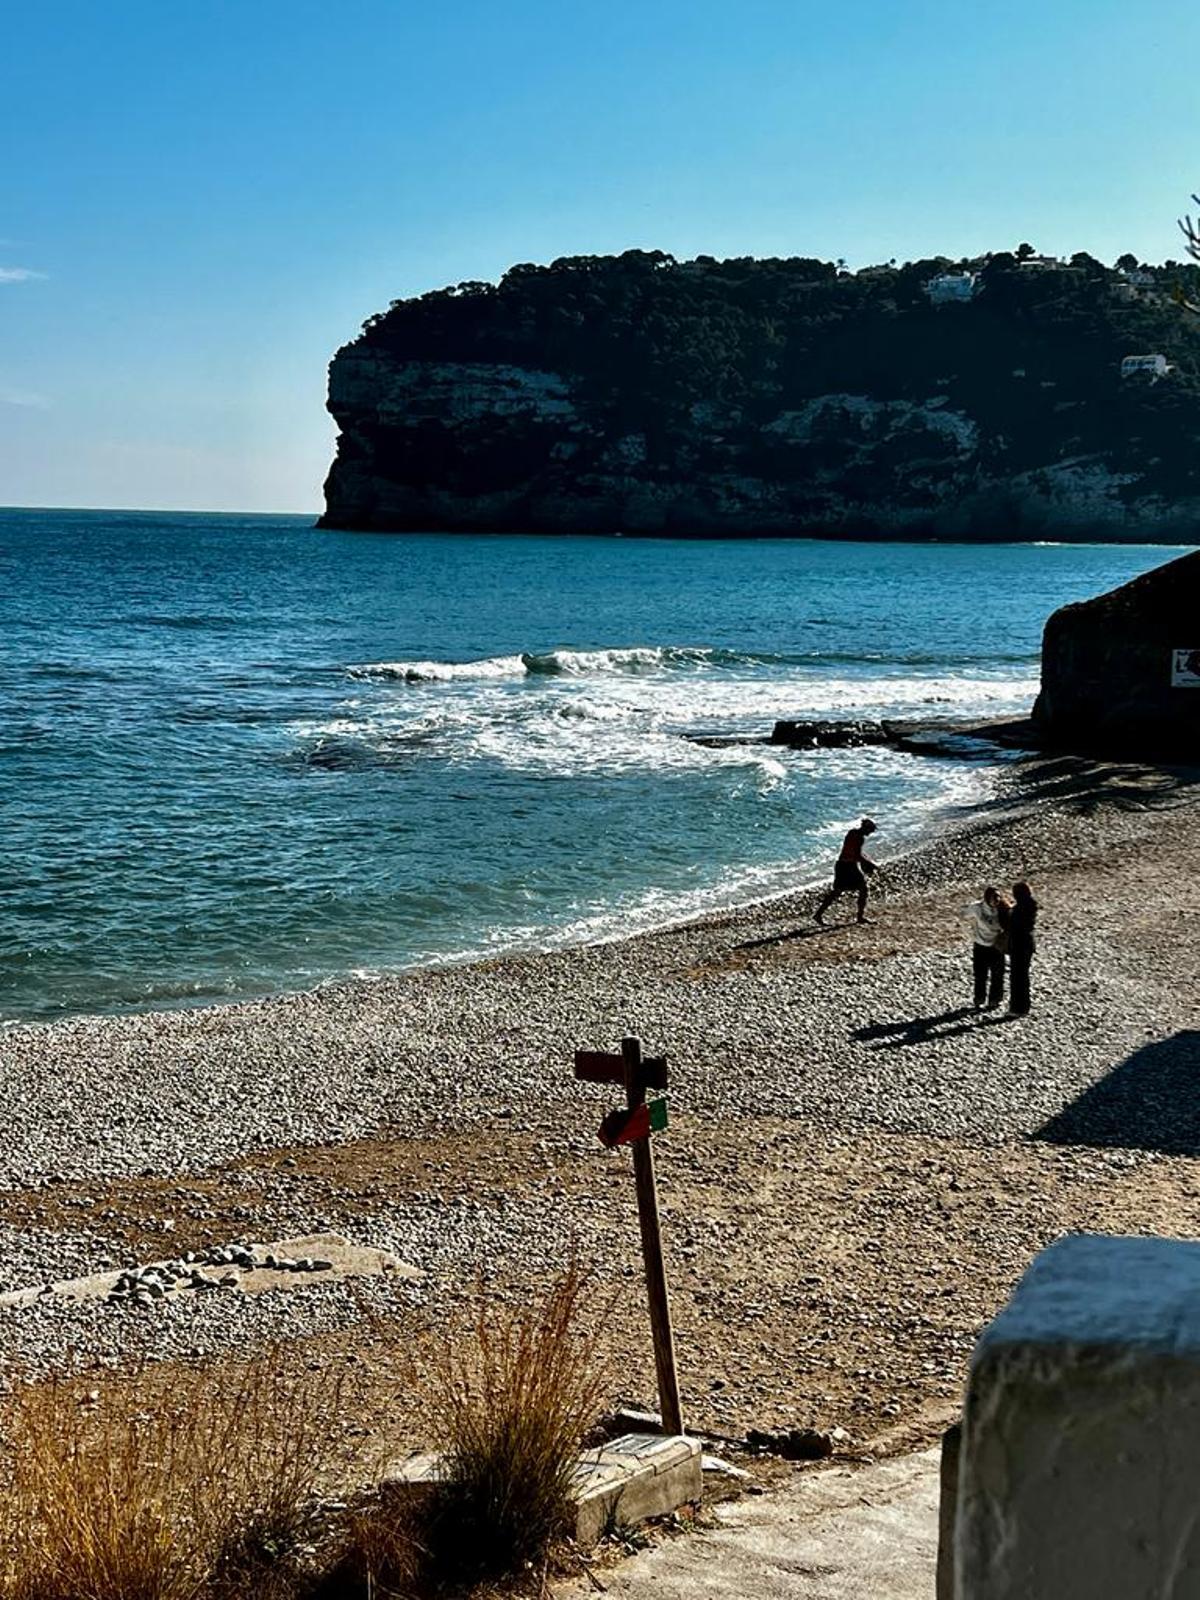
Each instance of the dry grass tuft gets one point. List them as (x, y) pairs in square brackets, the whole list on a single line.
[(156, 1493), (512, 1411), (380, 1554), (206, 1485)]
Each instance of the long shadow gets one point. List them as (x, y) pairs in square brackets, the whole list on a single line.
[(782, 938), (1151, 1101), (1083, 784), (921, 1030)]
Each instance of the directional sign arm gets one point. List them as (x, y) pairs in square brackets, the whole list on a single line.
[(602, 1066)]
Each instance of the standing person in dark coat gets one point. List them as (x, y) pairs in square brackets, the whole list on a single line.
[(1021, 945), (849, 872)]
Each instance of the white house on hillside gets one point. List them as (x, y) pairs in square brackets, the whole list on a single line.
[(949, 287), (1155, 366)]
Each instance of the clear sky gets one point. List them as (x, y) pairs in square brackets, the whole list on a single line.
[(201, 199)]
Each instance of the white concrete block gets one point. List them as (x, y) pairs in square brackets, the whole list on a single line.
[(624, 1482), (632, 1478), (1080, 1470)]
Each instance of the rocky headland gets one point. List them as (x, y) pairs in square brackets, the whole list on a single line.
[(637, 394)]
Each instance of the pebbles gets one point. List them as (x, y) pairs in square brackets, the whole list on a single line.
[(760, 1018)]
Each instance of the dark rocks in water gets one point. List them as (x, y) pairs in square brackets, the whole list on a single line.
[(725, 741), (639, 394), (1121, 673), (828, 735)]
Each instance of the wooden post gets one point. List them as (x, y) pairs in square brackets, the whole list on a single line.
[(652, 1251)]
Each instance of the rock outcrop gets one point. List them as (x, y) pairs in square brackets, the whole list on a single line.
[(1121, 673), (828, 735), (642, 395)]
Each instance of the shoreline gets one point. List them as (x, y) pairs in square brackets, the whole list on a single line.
[(856, 1170), (912, 738), (1042, 815)]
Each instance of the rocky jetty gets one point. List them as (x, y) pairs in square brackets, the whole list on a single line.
[(829, 735), (638, 394), (1121, 673)]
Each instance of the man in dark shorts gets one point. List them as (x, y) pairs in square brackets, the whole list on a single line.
[(849, 874)]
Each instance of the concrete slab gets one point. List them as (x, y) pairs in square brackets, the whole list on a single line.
[(338, 1258), (623, 1482), (837, 1533), (631, 1479)]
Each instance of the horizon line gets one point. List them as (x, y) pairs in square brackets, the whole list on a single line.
[(173, 511)]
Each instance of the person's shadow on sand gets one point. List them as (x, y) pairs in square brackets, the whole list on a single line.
[(803, 932), (921, 1030)]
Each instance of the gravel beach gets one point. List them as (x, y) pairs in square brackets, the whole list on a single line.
[(857, 1167)]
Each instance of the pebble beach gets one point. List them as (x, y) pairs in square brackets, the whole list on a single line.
[(856, 1170)]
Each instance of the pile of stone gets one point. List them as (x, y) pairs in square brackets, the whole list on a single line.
[(797, 1444), (140, 1286)]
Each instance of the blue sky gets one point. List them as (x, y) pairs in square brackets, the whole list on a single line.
[(201, 199)]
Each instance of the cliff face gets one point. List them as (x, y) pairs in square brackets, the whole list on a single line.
[(642, 395), (1121, 673)]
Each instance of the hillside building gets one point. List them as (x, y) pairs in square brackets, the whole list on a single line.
[(1151, 366), (950, 287)]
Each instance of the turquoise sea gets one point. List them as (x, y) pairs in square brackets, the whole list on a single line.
[(240, 755)]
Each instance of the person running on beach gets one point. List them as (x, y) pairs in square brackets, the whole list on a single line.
[(849, 873), (1021, 945), (988, 919)]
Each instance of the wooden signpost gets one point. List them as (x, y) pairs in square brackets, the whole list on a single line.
[(633, 1124)]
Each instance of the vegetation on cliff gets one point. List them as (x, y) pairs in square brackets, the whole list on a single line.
[(697, 361)]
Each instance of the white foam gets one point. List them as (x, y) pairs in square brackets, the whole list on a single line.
[(619, 710), (656, 907), (440, 671)]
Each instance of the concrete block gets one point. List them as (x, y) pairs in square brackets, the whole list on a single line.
[(632, 1478), (1081, 1440), (948, 1509), (624, 1481), (417, 1477), (418, 1471)]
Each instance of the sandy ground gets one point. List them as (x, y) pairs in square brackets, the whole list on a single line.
[(841, 1533), (857, 1168)]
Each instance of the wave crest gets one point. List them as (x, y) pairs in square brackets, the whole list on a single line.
[(644, 660), (439, 671), (562, 663)]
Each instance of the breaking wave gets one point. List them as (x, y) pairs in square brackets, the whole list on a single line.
[(639, 660), (562, 663)]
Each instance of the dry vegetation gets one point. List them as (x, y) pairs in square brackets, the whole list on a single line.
[(514, 1406), (212, 1492), (146, 1495), (511, 1410)]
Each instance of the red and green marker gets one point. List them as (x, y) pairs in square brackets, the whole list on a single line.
[(624, 1126)]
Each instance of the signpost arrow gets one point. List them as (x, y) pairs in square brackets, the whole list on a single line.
[(603, 1066), (633, 1125)]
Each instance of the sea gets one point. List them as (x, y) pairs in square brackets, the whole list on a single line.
[(240, 755)]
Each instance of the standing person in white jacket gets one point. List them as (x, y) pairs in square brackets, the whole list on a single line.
[(987, 922)]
